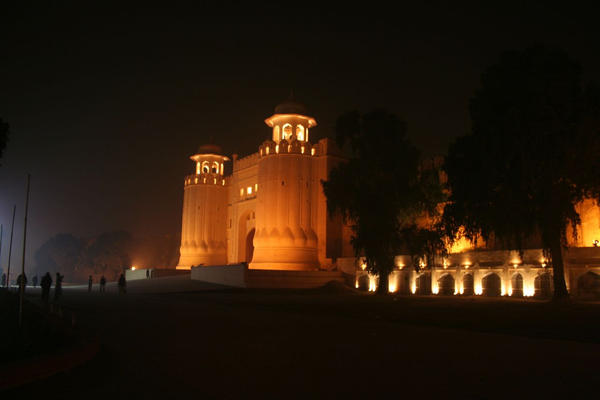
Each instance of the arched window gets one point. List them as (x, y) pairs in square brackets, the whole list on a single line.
[(276, 137), (215, 168), (205, 168), (300, 132), (287, 131)]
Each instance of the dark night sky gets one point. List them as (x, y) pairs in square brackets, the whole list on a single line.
[(106, 104)]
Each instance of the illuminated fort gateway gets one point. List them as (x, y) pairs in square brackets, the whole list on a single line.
[(270, 214), (271, 211)]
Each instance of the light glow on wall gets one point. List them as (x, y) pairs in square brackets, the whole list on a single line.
[(277, 148), (413, 287), (372, 283), (312, 151), (392, 285), (528, 288), (478, 289), (435, 289), (249, 189)]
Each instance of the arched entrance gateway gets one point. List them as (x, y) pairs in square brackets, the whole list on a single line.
[(446, 285), (517, 285), (250, 245), (543, 285), (246, 229), (588, 285), (424, 284), (468, 285), (491, 285)]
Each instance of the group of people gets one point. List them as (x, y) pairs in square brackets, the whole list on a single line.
[(46, 284), (122, 284)]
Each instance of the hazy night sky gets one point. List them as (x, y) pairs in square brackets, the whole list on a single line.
[(106, 104)]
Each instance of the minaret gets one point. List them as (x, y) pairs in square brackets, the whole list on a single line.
[(285, 237), (203, 225)]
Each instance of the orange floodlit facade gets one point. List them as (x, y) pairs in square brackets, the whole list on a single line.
[(271, 211)]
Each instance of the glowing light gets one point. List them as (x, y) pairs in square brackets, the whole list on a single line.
[(422, 264), (372, 283), (241, 191), (445, 262), (528, 288), (256, 187), (223, 182), (195, 180), (267, 150), (356, 284), (289, 148), (478, 288), (543, 261), (302, 149), (249, 189), (300, 132), (215, 181), (392, 286), (312, 151), (413, 287), (132, 268), (363, 266), (277, 148), (435, 289)]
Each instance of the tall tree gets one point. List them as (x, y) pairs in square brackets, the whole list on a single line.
[(61, 253), (379, 190), (532, 155)]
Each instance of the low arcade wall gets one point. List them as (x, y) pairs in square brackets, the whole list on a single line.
[(229, 275)]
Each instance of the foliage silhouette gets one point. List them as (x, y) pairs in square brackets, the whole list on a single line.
[(381, 191), (531, 157)]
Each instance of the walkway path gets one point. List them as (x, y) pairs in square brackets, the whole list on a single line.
[(213, 343)]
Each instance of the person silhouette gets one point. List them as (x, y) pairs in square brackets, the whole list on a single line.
[(102, 283), (3, 279), (58, 286), (46, 284), (22, 281), (90, 281), (34, 281), (122, 284)]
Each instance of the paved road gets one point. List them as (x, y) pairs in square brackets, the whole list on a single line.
[(212, 343)]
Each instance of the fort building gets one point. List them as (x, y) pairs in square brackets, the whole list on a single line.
[(266, 224)]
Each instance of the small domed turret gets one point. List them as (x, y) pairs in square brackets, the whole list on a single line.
[(290, 121)]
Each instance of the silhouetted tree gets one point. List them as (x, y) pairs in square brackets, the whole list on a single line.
[(61, 253), (533, 154), (381, 190), (108, 254)]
